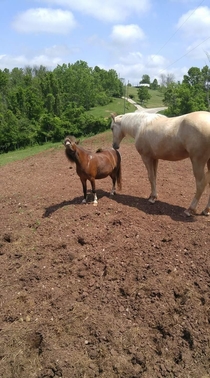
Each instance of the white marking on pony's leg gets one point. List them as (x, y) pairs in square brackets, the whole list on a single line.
[(113, 191), (95, 201)]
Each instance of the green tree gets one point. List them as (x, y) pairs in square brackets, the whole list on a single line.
[(143, 95), (145, 79), (154, 85)]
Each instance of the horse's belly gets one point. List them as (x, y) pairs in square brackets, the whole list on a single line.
[(173, 155), (164, 152), (102, 175)]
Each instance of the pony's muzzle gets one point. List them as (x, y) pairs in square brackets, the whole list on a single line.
[(67, 143)]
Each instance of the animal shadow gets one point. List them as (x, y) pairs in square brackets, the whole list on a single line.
[(175, 212)]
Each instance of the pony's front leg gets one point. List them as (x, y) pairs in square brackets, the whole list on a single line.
[(84, 186), (151, 166)]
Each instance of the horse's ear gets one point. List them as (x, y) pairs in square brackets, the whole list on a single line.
[(113, 115), (77, 141)]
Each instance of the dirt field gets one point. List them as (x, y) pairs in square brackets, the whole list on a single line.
[(121, 290)]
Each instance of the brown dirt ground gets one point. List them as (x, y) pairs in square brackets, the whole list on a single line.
[(118, 290)]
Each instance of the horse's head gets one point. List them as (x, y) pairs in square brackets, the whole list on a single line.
[(117, 132), (71, 143)]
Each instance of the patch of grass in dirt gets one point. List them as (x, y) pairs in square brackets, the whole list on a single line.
[(27, 152)]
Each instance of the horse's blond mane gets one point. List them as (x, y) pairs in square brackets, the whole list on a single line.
[(145, 117)]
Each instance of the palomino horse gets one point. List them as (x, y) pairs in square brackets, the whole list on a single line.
[(91, 166), (159, 137)]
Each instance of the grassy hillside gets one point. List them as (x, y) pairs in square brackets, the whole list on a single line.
[(156, 97), (120, 106)]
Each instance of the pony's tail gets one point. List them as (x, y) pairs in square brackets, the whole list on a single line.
[(119, 172)]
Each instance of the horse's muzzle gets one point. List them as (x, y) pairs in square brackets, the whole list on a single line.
[(115, 146)]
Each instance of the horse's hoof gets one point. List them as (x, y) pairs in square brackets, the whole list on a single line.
[(95, 203), (190, 212), (84, 201), (152, 199)]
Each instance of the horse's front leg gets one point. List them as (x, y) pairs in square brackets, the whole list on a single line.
[(151, 166), (206, 211), (95, 199), (201, 181)]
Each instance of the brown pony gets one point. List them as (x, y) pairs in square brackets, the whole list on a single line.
[(91, 166)]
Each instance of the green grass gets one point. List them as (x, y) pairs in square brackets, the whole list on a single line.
[(116, 106), (156, 100), (24, 153)]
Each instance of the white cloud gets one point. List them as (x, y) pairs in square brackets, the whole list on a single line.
[(124, 34), (156, 61), (131, 58), (195, 23), (108, 10), (8, 61), (44, 20)]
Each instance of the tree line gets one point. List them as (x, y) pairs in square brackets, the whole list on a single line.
[(190, 95), (39, 105)]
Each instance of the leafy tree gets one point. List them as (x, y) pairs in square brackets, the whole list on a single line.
[(154, 85), (145, 79), (143, 94)]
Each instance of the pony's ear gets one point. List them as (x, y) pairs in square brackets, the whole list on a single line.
[(77, 141)]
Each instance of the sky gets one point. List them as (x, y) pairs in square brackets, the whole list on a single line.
[(133, 37)]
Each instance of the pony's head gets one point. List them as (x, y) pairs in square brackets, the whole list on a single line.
[(117, 132), (71, 143)]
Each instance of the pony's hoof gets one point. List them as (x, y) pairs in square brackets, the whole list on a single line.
[(206, 212), (95, 203), (84, 201)]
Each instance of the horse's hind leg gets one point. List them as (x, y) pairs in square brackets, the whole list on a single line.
[(206, 211), (200, 179), (151, 166)]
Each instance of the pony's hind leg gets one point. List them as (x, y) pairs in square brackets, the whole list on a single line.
[(113, 191), (206, 211)]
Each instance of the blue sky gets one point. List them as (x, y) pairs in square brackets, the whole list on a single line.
[(133, 37)]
